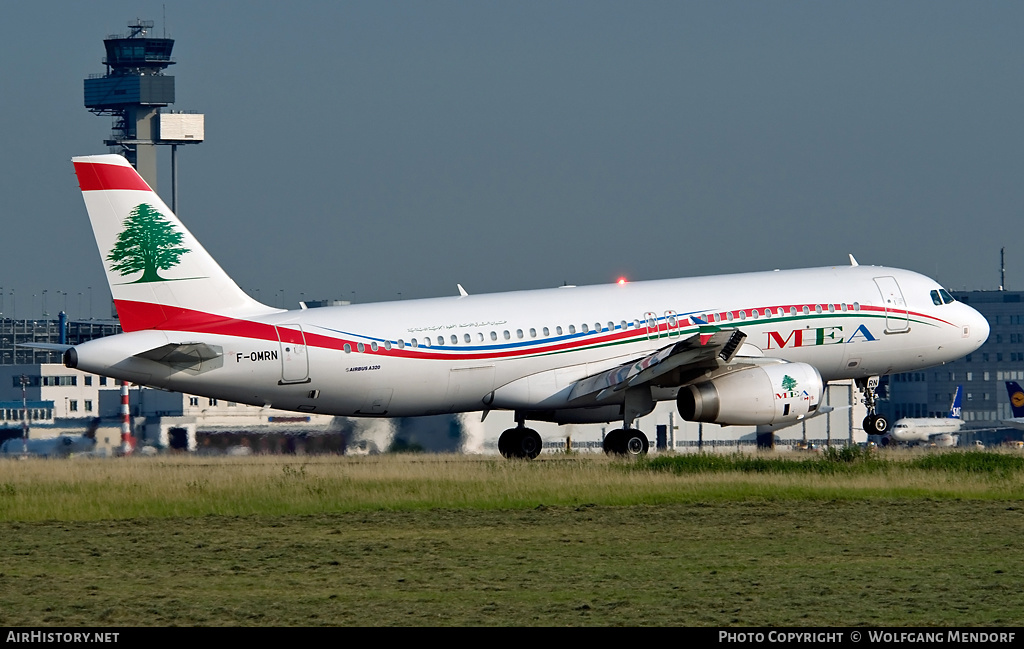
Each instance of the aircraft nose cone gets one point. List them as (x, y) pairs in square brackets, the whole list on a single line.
[(979, 329)]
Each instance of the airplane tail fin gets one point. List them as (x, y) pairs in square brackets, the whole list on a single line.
[(1016, 398), (954, 409), (159, 274)]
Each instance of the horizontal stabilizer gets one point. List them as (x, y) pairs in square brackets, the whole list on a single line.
[(47, 347), (191, 357)]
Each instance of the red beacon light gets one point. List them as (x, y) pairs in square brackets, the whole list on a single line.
[(622, 280)]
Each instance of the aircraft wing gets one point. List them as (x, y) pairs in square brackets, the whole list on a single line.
[(673, 365)]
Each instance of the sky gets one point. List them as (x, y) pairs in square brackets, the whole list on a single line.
[(374, 151)]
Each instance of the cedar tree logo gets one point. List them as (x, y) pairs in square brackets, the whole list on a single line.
[(148, 243)]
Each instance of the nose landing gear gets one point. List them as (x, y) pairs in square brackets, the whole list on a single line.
[(874, 423)]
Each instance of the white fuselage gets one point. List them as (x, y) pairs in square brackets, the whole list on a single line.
[(421, 357), (921, 429), (61, 446)]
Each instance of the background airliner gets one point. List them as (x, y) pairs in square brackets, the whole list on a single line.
[(940, 431), (750, 349), (60, 446)]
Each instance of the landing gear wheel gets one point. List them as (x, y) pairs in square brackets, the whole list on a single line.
[(636, 443), (631, 442), (507, 442), (613, 442), (881, 424), (875, 424), (522, 443)]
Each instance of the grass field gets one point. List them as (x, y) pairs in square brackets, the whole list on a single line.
[(900, 539)]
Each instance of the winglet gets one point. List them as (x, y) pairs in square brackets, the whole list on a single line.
[(462, 291), (853, 262)]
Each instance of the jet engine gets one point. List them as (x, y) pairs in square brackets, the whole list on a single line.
[(760, 395)]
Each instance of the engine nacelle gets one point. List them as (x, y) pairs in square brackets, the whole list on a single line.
[(760, 395)]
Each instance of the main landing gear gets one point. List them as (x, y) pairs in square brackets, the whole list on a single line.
[(520, 442), (626, 441), (874, 424)]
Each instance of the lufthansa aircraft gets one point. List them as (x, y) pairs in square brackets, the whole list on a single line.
[(1016, 405), (744, 349)]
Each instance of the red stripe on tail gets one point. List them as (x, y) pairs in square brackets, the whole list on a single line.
[(96, 177)]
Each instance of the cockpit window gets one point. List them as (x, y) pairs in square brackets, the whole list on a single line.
[(946, 297), (936, 300)]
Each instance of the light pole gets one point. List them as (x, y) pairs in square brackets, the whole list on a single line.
[(24, 416)]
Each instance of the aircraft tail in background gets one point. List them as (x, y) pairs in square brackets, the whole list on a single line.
[(1016, 398), (955, 408)]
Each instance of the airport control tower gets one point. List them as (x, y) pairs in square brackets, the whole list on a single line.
[(132, 91)]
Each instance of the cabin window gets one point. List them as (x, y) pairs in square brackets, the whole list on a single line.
[(572, 329), (508, 336), (533, 332), (373, 346), (426, 342), (856, 306), (387, 345), (348, 348), (455, 339), (547, 332), (585, 329), (414, 343), (480, 337), (519, 334), (831, 308), (494, 335), (440, 341), (728, 316), (817, 308), (401, 344), (361, 347), (558, 331), (611, 326), (622, 325), (806, 310), (467, 339)]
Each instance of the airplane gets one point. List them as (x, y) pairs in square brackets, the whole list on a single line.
[(940, 431), (60, 446), (1016, 405), (741, 349)]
